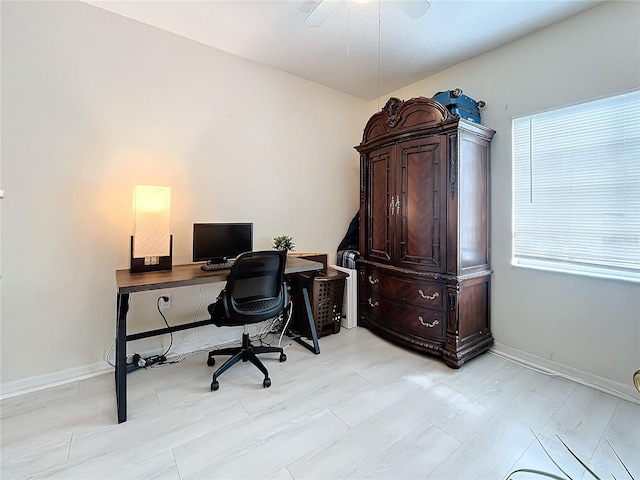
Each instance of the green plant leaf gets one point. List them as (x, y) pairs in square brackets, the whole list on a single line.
[(283, 242), (578, 459), (620, 459), (536, 472), (549, 455), (568, 477)]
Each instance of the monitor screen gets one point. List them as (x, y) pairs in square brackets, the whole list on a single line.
[(219, 242)]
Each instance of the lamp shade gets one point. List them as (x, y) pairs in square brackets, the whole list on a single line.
[(151, 235)]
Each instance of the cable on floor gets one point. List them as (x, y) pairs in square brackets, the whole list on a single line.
[(551, 373)]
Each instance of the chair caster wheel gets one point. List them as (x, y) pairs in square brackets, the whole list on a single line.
[(283, 357), (211, 361), (266, 383), (215, 385)]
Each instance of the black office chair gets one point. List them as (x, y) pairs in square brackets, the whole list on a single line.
[(255, 292)]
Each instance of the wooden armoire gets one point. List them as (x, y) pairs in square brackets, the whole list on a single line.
[(424, 273)]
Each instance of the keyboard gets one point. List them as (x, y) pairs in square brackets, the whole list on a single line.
[(212, 267)]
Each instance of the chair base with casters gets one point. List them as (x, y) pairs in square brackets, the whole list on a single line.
[(255, 292), (246, 352)]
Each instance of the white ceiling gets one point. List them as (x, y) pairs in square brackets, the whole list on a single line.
[(363, 49)]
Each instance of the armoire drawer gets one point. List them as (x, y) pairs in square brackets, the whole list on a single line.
[(405, 319), (421, 293)]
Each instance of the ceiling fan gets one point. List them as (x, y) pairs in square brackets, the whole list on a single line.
[(413, 8)]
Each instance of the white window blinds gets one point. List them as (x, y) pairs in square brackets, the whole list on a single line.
[(576, 189)]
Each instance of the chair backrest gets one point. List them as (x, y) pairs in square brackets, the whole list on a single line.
[(255, 290)]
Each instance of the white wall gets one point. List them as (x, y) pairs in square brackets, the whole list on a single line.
[(588, 324), (92, 104)]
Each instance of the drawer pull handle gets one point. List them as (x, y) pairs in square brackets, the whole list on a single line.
[(372, 304), (373, 281), (391, 205), (426, 324), (428, 297)]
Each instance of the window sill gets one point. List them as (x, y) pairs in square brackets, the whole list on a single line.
[(593, 272)]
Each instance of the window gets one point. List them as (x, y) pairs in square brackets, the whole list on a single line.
[(576, 189)]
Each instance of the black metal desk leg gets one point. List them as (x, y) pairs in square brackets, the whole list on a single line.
[(121, 356), (312, 325)]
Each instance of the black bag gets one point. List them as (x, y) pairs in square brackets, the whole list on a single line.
[(348, 248)]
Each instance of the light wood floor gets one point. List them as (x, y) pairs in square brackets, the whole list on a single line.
[(363, 408)]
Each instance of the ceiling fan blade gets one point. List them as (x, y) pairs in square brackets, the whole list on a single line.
[(413, 8), (320, 13)]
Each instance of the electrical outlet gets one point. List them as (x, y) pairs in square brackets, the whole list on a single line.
[(165, 301)]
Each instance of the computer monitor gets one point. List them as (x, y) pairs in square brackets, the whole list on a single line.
[(221, 242)]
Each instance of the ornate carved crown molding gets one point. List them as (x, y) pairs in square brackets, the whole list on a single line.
[(391, 110)]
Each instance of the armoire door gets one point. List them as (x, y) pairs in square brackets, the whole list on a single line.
[(380, 205), (421, 188)]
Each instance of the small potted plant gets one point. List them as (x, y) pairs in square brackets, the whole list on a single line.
[(284, 243)]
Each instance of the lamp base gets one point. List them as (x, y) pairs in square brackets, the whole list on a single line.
[(152, 264)]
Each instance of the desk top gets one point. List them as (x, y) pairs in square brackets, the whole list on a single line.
[(192, 274)]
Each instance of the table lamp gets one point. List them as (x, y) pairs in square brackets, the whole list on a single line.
[(151, 242)]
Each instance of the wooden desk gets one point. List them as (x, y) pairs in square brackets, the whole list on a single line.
[(179, 276)]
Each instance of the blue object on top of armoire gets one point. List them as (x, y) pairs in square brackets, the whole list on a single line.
[(459, 104)]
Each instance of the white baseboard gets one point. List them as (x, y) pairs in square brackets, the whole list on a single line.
[(40, 382), (620, 390), (48, 380)]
